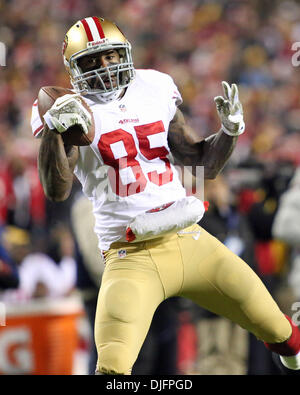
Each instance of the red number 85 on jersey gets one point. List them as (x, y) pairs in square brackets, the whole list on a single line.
[(118, 150)]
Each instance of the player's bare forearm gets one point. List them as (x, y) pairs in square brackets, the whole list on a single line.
[(56, 164), (216, 150), (212, 153)]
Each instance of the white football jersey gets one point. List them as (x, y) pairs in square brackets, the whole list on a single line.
[(127, 170)]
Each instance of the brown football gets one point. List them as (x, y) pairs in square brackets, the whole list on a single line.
[(74, 135)]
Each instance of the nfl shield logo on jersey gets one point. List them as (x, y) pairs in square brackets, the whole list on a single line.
[(122, 253), (122, 107)]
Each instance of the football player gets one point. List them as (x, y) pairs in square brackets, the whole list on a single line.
[(146, 225)]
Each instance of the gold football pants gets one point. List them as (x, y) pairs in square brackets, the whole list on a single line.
[(139, 276)]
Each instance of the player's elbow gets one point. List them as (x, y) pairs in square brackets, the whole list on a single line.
[(210, 173), (56, 189), (56, 195)]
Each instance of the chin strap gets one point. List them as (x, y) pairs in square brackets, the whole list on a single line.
[(106, 97)]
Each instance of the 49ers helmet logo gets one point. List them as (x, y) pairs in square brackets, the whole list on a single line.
[(64, 45)]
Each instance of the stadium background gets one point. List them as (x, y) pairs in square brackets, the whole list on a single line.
[(199, 43)]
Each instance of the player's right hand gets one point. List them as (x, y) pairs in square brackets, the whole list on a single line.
[(68, 111)]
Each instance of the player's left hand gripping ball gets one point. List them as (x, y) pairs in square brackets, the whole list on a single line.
[(230, 110)]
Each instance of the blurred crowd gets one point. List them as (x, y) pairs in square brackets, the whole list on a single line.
[(199, 43)]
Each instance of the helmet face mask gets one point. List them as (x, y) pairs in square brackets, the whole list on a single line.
[(119, 75), (99, 80)]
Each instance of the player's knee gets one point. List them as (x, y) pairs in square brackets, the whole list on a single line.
[(114, 359), (122, 300)]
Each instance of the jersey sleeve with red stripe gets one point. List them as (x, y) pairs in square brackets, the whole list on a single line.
[(37, 125)]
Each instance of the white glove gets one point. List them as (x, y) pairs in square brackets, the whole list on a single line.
[(68, 111), (230, 110)]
